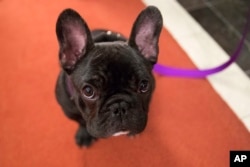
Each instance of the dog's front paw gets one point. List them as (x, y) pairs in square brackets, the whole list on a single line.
[(83, 138)]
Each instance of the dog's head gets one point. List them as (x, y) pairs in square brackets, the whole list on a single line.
[(113, 80)]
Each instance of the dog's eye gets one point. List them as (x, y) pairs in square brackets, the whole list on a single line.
[(144, 86), (88, 92)]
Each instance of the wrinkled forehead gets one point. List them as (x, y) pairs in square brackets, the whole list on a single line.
[(116, 53), (114, 62), (118, 58)]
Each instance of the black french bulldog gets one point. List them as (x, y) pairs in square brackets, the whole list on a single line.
[(106, 82)]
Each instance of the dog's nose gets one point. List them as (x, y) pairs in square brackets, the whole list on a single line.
[(120, 109), (119, 112)]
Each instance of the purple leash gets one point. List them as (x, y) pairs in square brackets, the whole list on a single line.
[(196, 73)]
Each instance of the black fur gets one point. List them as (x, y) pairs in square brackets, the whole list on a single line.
[(106, 83)]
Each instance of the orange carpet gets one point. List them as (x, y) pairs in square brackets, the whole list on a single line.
[(189, 124)]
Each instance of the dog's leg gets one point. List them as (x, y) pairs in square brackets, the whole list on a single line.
[(82, 137)]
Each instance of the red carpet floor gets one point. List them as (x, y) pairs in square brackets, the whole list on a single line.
[(189, 124)]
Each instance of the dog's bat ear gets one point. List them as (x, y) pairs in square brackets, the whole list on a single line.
[(145, 33), (74, 38)]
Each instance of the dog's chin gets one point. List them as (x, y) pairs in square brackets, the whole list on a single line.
[(113, 133), (121, 133), (127, 133)]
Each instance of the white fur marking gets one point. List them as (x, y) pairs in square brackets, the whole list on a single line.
[(121, 133)]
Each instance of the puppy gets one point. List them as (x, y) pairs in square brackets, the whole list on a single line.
[(106, 80)]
